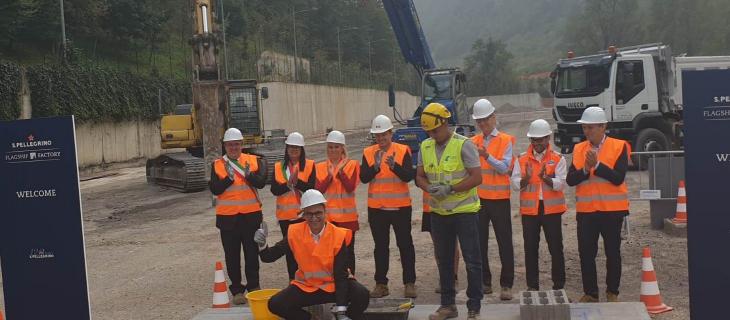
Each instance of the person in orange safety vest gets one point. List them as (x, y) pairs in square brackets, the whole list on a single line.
[(601, 201), (234, 180), (337, 179), (539, 175), (293, 176), (322, 252)]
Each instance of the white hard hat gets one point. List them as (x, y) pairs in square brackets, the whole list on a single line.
[(310, 198), (381, 124), (336, 137), (295, 139), (482, 109), (593, 115), (538, 129), (232, 134)]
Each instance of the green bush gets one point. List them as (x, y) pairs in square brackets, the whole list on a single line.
[(97, 94), (9, 90)]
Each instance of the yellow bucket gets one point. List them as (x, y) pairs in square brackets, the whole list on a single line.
[(259, 302)]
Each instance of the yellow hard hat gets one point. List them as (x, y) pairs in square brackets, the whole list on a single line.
[(434, 115)]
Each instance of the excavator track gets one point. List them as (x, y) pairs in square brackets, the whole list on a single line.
[(180, 171)]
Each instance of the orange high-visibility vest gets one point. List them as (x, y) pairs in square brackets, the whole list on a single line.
[(287, 205), (386, 190), (239, 197), (341, 205), (553, 201), (495, 186), (316, 260), (596, 193)]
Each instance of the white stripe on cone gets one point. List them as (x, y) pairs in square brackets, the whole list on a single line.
[(649, 288), (646, 264), (219, 277), (681, 207), (220, 298), (681, 192)]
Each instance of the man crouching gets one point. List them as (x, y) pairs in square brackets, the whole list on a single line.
[(322, 252)]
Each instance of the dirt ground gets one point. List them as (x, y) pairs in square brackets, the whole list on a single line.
[(151, 251)]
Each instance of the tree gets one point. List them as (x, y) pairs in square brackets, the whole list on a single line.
[(488, 68), (602, 23)]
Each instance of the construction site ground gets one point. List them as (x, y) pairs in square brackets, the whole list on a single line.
[(151, 251)]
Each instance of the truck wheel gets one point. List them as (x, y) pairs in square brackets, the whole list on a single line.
[(649, 139)]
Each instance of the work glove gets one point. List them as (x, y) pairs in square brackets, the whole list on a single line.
[(340, 315), (439, 190), (391, 162), (260, 235), (231, 172), (378, 160)]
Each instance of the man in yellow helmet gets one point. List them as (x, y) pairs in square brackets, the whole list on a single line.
[(450, 171)]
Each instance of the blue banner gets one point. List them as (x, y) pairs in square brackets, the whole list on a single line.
[(41, 231), (707, 170)]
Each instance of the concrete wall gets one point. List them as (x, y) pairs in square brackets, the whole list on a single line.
[(311, 109), (526, 101), (105, 143)]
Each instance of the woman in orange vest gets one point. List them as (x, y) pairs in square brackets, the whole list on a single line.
[(495, 154), (337, 179), (601, 201), (292, 177), (234, 179), (539, 175), (322, 251), (387, 167)]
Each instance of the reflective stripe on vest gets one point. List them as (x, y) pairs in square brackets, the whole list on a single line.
[(316, 260), (386, 190), (595, 193), (239, 197), (553, 201), (450, 170), (495, 186), (287, 204)]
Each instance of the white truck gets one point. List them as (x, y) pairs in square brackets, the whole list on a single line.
[(639, 87)]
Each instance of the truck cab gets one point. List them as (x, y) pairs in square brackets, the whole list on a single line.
[(444, 86), (634, 87)]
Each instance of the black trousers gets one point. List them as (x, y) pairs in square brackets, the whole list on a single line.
[(608, 226), (380, 222), (552, 226), (236, 232), (498, 212), (291, 263), (288, 303)]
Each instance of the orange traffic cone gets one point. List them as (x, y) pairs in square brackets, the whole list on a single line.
[(649, 286), (1, 315), (220, 292), (681, 216)]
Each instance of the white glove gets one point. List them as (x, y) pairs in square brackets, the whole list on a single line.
[(439, 190), (246, 171), (340, 315), (391, 162), (260, 235)]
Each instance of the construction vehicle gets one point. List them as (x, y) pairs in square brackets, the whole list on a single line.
[(217, 105), (445, 85), (639, 87)]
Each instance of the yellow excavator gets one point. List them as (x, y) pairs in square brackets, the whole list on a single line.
[(217, 105)]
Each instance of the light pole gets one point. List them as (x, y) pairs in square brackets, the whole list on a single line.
[(339, 49), (370, 58), (294, 24), (63, 31)]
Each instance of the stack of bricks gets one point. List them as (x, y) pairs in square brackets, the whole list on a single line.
[(544, 305)]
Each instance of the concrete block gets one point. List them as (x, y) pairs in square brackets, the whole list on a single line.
[(675, 229), (544, 305)]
